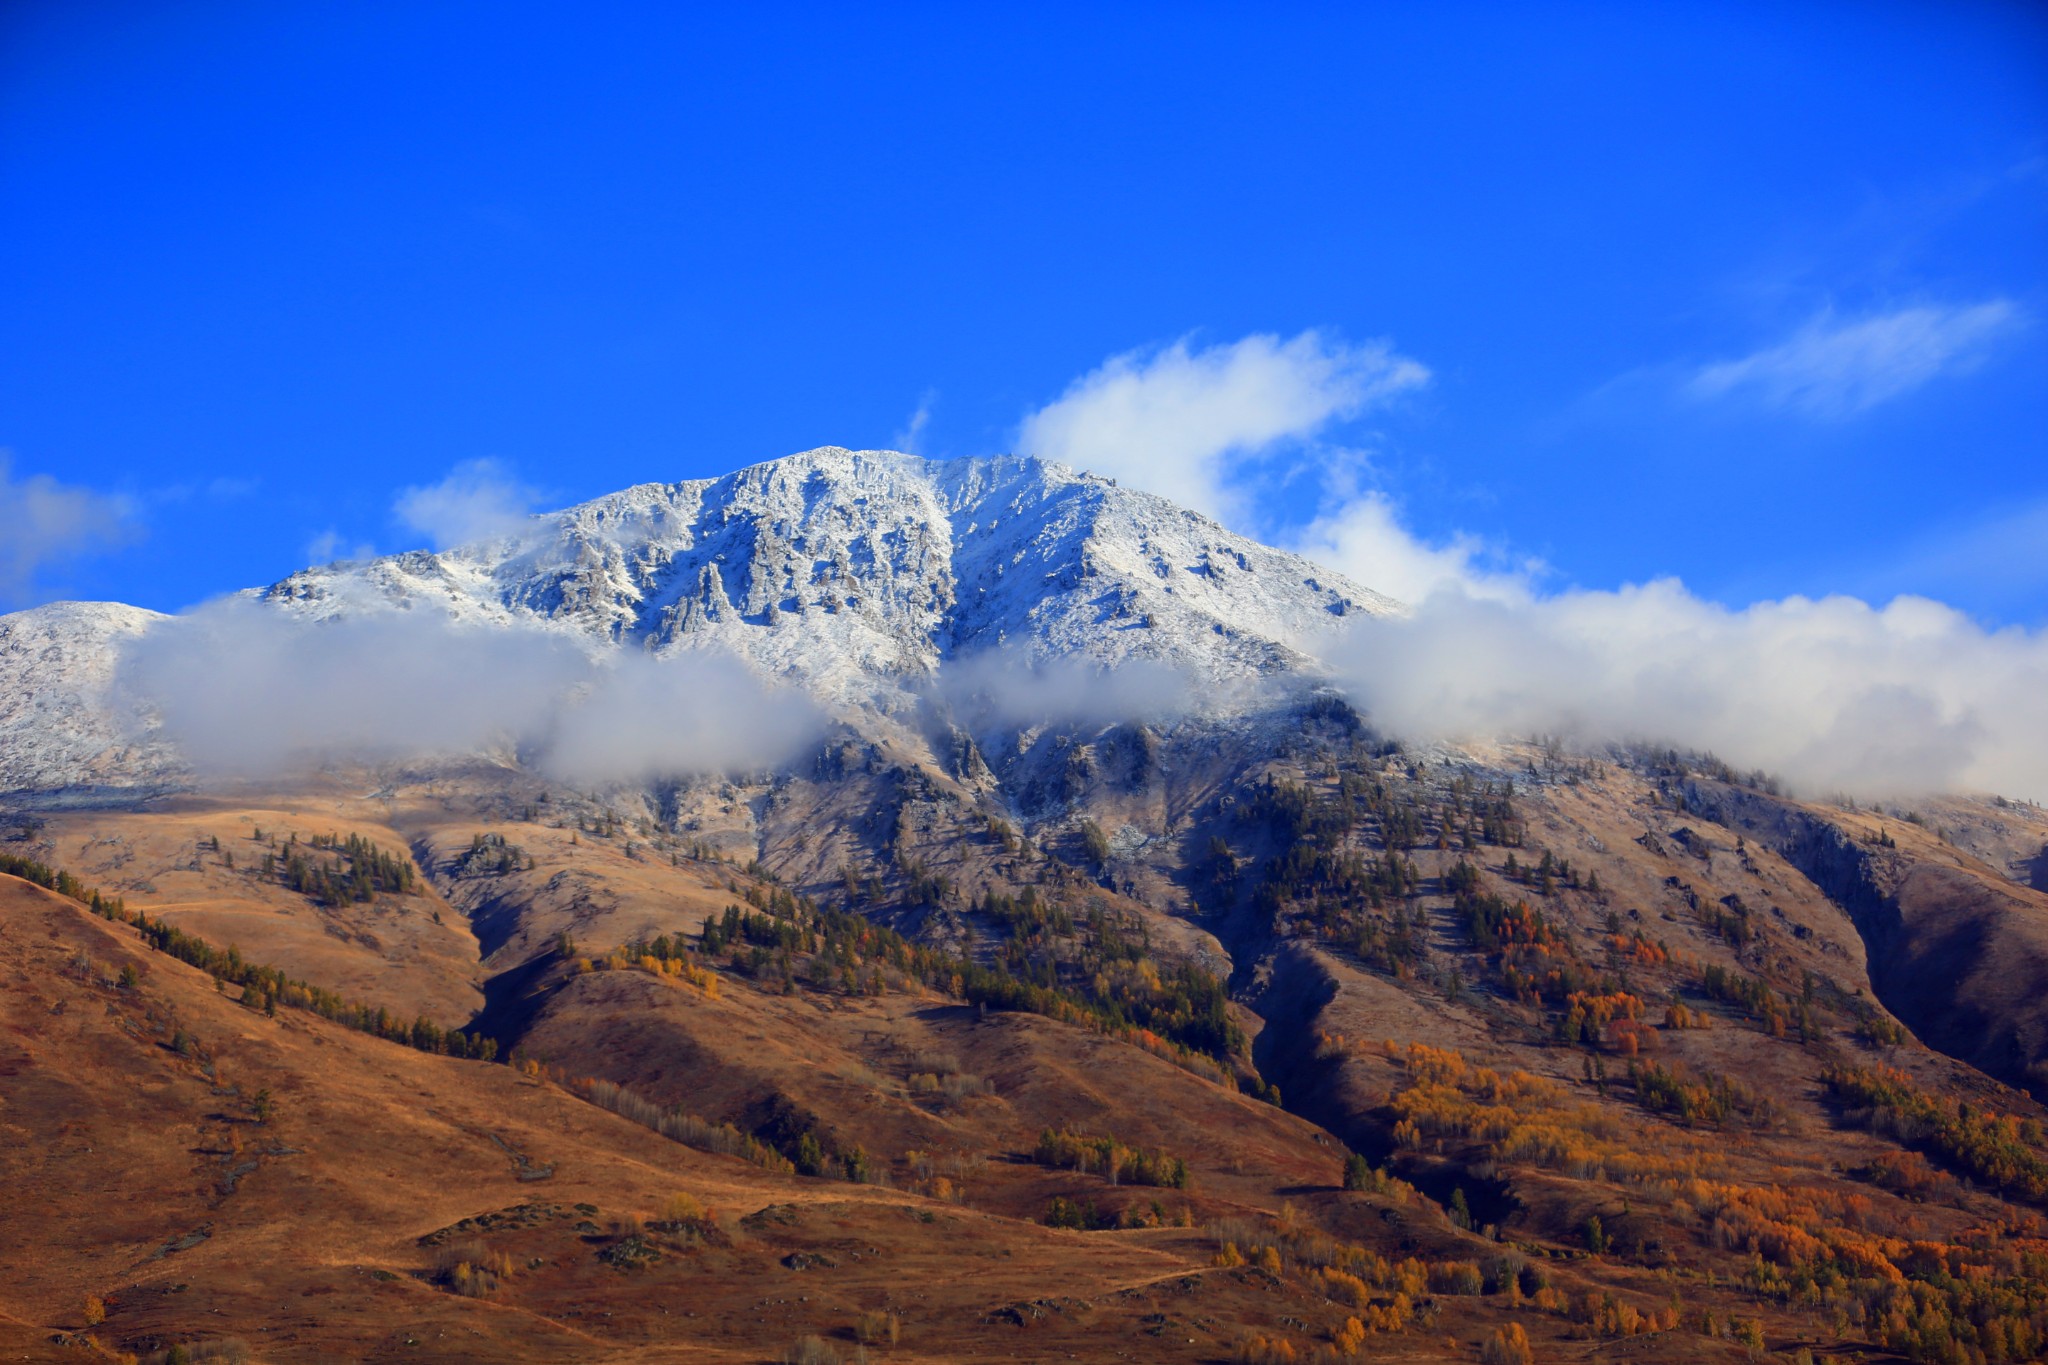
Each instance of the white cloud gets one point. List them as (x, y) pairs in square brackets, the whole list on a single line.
[(1361, 536), (1834, 694), (331, 547), (47, 523), (1832, 368), (643, 718), (243, 688), (1006, 687), (910, 440), (478, 500), (1182, 422)]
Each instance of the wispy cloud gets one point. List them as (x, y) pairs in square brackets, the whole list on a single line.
[(910, 440), (1007, 686), (1833, 368), (1360, 533), (1183, 421), (331, 546), (47, 523), (478, 500), (227, 489), (222, 489)]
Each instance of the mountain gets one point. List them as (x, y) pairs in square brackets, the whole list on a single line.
[(852, 571), (862, 578), (1090, 981)]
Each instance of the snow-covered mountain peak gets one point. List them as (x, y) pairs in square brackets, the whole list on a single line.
[(847, 571), (861, 577)]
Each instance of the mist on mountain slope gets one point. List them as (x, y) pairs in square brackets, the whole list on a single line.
[(1007, 687), (1835, 695), (246, 690)]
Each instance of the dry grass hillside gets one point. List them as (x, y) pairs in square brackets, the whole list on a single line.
[(187, 1173), (1323, 1051)]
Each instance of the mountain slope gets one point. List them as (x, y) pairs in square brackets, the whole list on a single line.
[(1168, 1005)]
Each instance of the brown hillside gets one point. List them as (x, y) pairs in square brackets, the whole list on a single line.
[(1609, 1048)]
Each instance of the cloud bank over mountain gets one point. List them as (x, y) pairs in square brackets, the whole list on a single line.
[(633, 637), (1835, 694)]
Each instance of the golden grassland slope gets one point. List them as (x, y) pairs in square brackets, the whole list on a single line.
[(210, 1175), (1956, 934), (213, 1174), (198, 862), (1605, 1059), (916, 1072)]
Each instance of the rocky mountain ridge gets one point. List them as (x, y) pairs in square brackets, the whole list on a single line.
[(862, 577)]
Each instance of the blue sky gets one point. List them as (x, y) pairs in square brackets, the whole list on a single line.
[(1753, 295)]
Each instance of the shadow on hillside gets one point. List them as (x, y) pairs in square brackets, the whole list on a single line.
[(514, 997)]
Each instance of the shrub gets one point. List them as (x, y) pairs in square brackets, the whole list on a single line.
[(814, 1350), (471, 1269), (1508, 1345), (1456, 1277), (1998, 1149), (1259, 1349), (878, 1327), (678, 1126), (1066, 1213), (1106, 1156)]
